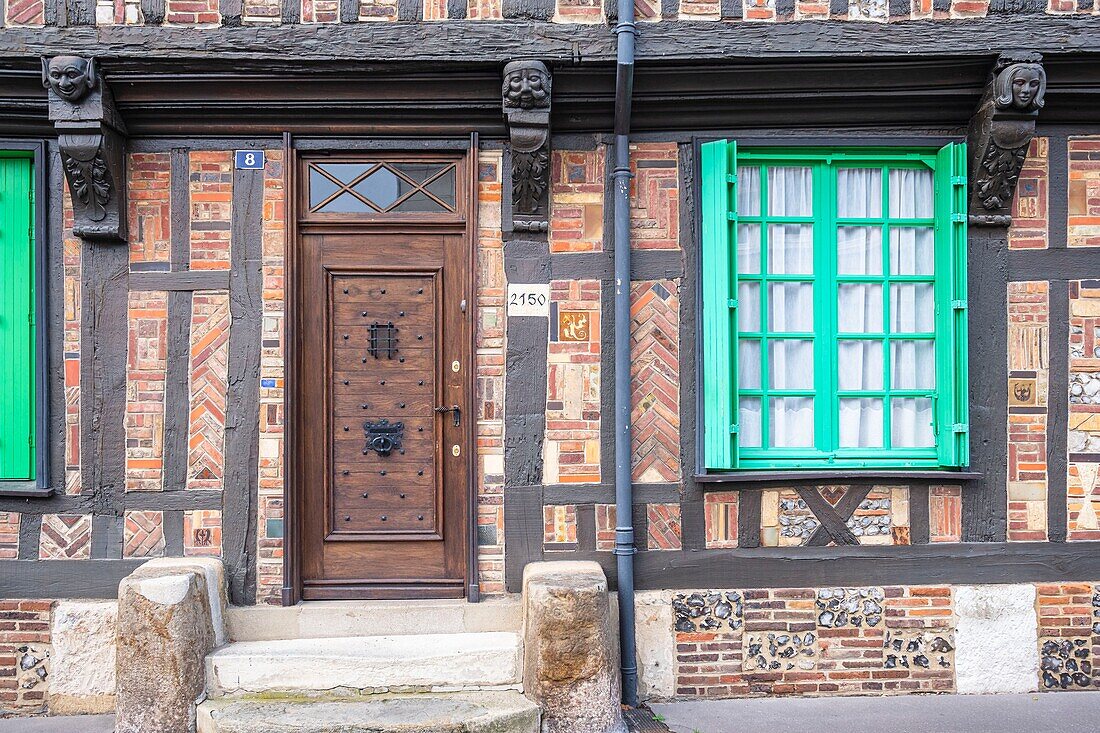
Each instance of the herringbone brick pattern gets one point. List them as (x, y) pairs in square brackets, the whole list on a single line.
[(202, 533), (71, 338), (150, 196), (25, 12), (9, 536), (490, 373), (211, 191), (1030, 208), (269, 569), (65, 537), (664, 526), (576, 200), (143, 534), (655, 378), (209, 382), (655, 196), (145, 376)]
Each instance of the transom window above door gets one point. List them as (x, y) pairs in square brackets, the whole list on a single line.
[(834, 307), (382, 187)]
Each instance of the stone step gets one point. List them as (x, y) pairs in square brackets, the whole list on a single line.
[(328, 619), (456, 712), (441, 662)]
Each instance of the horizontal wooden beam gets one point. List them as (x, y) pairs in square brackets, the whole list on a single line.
[(500, 41), (187, 280), (63, 578)]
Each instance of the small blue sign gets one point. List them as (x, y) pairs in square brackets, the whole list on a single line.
[(250, 160)]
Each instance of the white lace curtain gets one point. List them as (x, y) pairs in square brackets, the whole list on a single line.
[(860, 307)]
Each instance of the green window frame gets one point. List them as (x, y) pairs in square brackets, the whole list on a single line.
[(20, 361), (721, 163)]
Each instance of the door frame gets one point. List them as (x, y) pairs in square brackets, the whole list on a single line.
[(295, 152)]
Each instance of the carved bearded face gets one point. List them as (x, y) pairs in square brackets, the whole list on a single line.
[(70, 77), (526, 84)]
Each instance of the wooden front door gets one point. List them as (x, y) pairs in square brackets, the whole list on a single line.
[(383, 407)]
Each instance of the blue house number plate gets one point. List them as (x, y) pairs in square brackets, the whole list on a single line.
[(250, 160)]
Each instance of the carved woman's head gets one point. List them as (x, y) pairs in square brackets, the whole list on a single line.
[(1021, 87), (526, 85), (70, 77)]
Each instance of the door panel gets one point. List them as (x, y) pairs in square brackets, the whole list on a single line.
[(385, 340)]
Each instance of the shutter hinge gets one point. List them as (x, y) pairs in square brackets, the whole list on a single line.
[(732, 302), (958, 180), (960, 427), (959, 305), (958, 217), (731, 178), (734, 430)]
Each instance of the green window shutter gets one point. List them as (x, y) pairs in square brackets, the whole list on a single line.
[(17, 341), (719, 168), (952, 412)]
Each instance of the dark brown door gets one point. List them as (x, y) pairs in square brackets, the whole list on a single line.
[(382, 403)]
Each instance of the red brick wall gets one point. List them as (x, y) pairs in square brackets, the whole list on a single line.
[(24, 655)]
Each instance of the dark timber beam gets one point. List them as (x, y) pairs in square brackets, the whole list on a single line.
[(501, 41)]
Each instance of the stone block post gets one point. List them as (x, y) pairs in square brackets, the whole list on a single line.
[(570, 653), (170, 616)]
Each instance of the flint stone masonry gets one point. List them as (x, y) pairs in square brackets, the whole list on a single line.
[(570, 653), (372, 663), (83, 664), (995, 635), (170, 616)]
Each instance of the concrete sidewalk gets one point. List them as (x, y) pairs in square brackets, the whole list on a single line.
[(1067, 712), (78, 724)]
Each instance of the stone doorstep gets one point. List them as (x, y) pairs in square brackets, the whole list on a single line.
[(441, 662), (456, 712), (330, 619)]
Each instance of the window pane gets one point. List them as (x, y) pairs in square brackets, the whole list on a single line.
[(320, 188), (911, 193), (382, 187), (791, 422), (749, 423), (748, 364), (791, 249), (861, 423), (790, 191), (419, 202), (859, 250), (859, 193), (913, 364), (911, 423), (443, 188), (912, 308), (748, 249), (859, 364), (790, 307), (419, 172), (859, 308), (791, 364), (748, 306), (748, 191), (345, 203), (346, 172), (912, 251)]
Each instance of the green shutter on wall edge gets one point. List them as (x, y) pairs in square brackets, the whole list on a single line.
[(952, 412), (17, 352), (719, 168)]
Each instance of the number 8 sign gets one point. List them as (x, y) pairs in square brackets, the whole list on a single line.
[(250, 160)]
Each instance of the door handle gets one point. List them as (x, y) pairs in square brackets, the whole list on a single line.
[(455, 409)]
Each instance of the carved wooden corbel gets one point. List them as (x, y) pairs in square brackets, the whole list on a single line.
[(1000, 132), (92, 140), (526, 95)]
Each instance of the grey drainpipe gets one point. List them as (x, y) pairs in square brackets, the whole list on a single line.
[(625, 32)]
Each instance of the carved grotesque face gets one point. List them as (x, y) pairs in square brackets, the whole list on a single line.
[(1027, 82), (70, 77), (526, 84)]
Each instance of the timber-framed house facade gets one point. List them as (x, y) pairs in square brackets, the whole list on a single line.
[(327, 290)]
